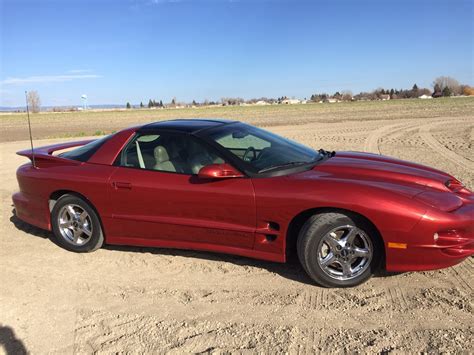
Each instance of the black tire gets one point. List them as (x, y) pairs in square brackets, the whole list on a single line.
[(310, 241), (91, 242)]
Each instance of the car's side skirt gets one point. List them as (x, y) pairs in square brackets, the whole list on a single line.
[(159, 243)]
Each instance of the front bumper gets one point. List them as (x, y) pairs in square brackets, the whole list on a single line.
[(439, 240)]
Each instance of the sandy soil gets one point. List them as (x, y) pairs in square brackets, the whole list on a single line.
[(153, 300)]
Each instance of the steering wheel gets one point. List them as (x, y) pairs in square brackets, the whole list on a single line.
[(264, 152), (247, 152)]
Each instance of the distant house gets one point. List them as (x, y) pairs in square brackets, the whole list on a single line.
[(261, 102), (384, 97), (332, 100), (424, 97), (290, 101)]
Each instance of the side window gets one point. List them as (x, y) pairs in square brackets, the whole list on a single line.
[(139, 152), (176, 153)]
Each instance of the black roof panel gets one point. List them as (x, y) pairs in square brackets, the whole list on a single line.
[(188, 125)]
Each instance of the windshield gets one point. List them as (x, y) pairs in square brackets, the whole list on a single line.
[(261, 149)]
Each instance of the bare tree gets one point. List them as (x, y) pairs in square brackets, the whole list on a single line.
[(34, 101), (424, 91), (451, 83), (231, 101), (346, 95)]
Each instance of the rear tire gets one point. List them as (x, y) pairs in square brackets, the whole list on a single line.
[(339, 250), (76, 226)]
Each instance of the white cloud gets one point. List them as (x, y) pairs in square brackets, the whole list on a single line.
[(48, 79)]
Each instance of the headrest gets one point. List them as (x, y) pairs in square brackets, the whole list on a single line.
[(161, 154)]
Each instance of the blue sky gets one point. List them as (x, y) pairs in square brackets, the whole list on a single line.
[(133, 50)]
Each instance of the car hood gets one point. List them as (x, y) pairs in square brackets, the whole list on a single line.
[(367, 167)]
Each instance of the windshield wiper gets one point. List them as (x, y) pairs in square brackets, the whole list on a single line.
[(327, 153), (278, 166), (324, 154), (290, 164)]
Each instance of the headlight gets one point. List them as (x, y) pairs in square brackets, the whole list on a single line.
[(444, 201), (454, 185)]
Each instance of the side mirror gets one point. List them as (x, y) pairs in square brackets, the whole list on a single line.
[(219, 171)]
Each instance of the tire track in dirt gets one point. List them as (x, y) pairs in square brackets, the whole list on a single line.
[(372, 141), (426, 135), (468, 275), (463, 282), (435, 298), (397, 299), (313, 300), (314, 343), (112, 333)]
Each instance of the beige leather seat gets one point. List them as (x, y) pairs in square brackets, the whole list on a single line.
[(162, 158), (200, 157)]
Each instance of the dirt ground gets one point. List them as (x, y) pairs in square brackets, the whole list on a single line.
[(154, 300)]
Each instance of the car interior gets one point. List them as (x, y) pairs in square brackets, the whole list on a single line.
[(169, 153), (178, 153), (261, 150)]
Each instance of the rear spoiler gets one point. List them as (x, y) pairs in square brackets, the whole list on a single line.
[(44, 155)]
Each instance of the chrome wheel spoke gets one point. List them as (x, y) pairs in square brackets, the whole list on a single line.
[(349, 238), (83, 216), (360, 253), (65, 224), (328, 260), (346, 268), (71, 211), (332, 242), (86, 231), (69, 234), (77, 235)]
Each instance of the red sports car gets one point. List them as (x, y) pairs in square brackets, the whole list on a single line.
[(228, 187)]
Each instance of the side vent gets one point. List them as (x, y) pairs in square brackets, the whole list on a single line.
[(270, 237), (273, 226)]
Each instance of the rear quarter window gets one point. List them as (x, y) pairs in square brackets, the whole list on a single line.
[(85, 152)]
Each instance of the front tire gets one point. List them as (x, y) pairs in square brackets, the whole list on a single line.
[(338, 250), (76, 226)]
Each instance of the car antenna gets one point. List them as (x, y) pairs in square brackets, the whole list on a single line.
[(29, 128)]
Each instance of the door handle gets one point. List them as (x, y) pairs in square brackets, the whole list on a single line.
[(122, 185)]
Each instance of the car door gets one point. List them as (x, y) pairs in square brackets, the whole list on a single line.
[(157, 198)]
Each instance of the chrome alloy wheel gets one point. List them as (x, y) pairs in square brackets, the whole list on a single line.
[(75, 224), (345, 252)]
